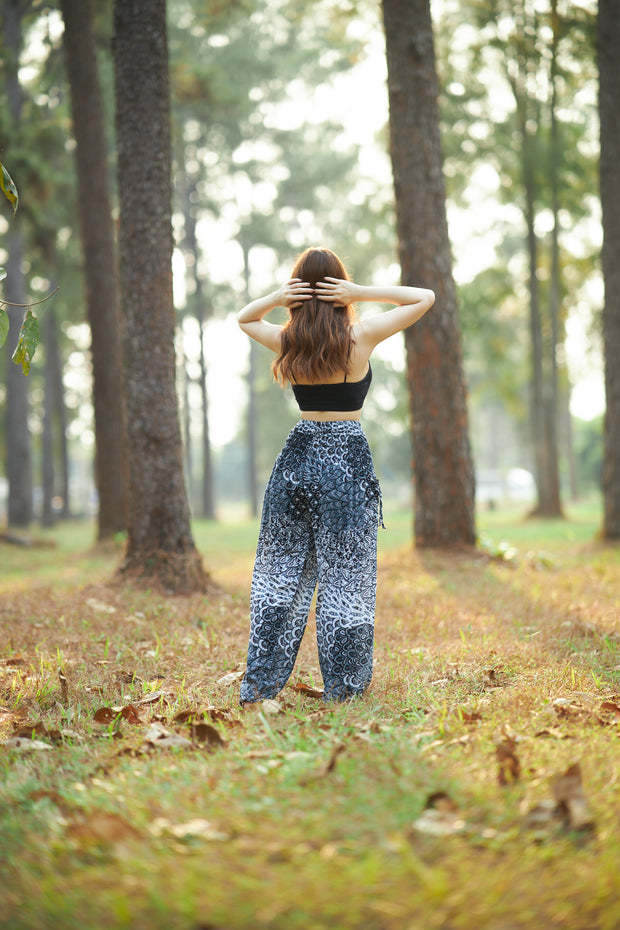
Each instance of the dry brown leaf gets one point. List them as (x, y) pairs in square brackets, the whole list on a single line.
[(154, 697), (611, 707), (230, 678), (571, 800), (469, 716), (128, 678), (440, 816), (104, 715), (509, 769), (330, 765), (64, 688), (308, 691), (553, 733), (203, 732), (101, 827), (107, 715)]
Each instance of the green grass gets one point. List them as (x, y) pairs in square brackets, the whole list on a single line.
[(310, 818)]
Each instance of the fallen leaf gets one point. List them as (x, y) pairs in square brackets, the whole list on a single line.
[(509, 766), (158, 736), (190, 713), (197, 828), (64, 688), (440, 817), (107, 715), (203, 732), (101, 827), (611, 706), (128, 678), (553, 733), (542, 816), (24, 745), (230, 678), (571, 800), (154, 697), (270, 706), (99, 606), (334, 755), (104, 715), (308, 691), (172, 741), (469, 716)]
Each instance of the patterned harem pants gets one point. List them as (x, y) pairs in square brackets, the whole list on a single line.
[(319, 526)]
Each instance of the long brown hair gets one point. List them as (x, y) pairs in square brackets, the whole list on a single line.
[(316, 341)]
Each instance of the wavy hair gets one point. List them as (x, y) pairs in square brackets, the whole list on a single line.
[(316, 341)]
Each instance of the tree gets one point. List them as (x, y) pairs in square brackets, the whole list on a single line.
[(19, 459), (443, 469), (100, 265), (609, 94), (160, 543)]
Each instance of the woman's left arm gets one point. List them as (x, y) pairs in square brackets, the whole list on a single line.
[(250, 318)]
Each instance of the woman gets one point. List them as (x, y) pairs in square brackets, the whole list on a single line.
[(322, 504)]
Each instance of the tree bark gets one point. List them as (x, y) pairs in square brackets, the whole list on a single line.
[(609, 95), (47, 514), (19, 460), (61, 412), (100, 266), (443, 469), (160, 544), (198, 302), (543, 399)]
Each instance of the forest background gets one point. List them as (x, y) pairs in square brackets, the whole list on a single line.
[(278, 143)]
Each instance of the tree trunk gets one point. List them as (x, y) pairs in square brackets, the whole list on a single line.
[(19, 458), (99, 264), (543, 399), (208, 500), (187, 433), (609, 95), (198, 301), (19, 462), (60, 410), (443, 469), (160, 544), (47, 515)]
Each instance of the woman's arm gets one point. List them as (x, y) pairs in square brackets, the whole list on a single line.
[(250, 318), (412, 303)]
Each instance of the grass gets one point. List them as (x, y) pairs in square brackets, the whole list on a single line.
[(386, 813)]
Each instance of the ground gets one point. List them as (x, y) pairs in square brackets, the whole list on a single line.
[(475, 786)]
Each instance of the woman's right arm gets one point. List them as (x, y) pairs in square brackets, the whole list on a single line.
[(411, 304), (250, 318)]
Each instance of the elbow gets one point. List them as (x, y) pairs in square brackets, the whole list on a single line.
[(431, 298)]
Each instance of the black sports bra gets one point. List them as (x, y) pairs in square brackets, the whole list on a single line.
[(339, 397)]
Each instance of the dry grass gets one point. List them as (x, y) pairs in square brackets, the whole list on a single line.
[(384, 813)]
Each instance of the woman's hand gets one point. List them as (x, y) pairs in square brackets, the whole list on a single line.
[(293, 293), (338, 291)]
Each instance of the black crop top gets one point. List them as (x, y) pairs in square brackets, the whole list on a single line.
[(339, 397)]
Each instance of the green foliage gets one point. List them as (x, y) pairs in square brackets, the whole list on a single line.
[(27, 341), (8, 187)]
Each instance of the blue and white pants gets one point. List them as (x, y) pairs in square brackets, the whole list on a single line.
[(319, 527)]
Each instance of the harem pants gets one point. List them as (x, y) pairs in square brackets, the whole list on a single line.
[(319, 526)]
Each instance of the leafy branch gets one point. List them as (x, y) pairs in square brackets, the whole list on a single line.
[(28, 338)]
